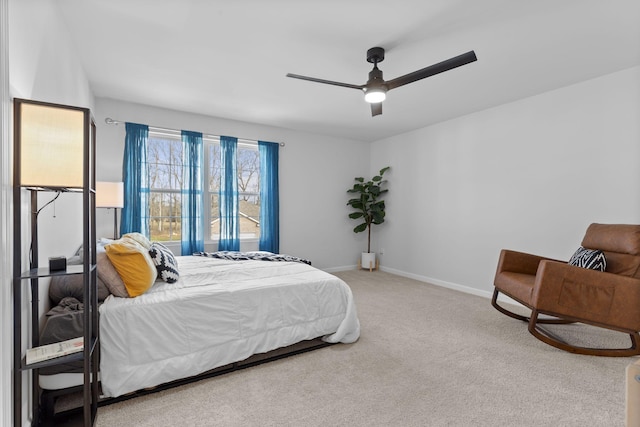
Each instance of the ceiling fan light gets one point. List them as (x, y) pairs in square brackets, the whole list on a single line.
[(376, 95)]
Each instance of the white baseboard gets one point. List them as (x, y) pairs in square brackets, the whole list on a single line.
[(338, 269), (432, 281), (437, 282)]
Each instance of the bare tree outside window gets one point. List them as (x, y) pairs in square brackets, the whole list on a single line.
[(165, 183), (248, 172), (248, 175), (249, 189)]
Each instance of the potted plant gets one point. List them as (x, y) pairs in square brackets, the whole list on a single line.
[(369, 209)]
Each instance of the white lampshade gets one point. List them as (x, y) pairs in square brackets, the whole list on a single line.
[(109, 194), (51, 145)]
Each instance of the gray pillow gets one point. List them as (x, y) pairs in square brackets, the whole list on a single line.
[(73, 286), (109, 275)]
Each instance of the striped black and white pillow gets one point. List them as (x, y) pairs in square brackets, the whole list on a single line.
[(165, 262), (589, 258)]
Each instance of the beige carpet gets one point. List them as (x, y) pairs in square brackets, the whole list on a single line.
[(428, 356)]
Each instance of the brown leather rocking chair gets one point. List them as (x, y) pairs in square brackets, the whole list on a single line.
[(568, 293)]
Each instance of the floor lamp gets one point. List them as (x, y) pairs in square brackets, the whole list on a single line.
[(110, 195), (52, 148)]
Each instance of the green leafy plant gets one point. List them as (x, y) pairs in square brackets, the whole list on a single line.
[(368, 206)]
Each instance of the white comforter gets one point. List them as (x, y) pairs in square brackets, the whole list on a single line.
[(219, 312)]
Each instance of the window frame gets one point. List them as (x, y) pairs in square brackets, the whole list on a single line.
[(176, 136), (208, 140)]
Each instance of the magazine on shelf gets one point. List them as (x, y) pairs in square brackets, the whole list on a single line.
[(51, 351)]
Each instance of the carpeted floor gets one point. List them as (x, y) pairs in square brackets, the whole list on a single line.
[(428, 356)]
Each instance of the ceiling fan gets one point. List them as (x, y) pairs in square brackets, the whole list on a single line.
[(375, 90)]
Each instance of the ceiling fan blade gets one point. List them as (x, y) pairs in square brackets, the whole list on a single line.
[(432, 70), (328, 82), (376, 109)]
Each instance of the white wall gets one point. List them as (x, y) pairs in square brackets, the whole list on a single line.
[(42, 66), (530, 175), (6, 233), (315, 172)]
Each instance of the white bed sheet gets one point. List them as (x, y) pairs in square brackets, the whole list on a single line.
[(219, 312)]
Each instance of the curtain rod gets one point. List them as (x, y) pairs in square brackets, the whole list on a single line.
[(111, 121)]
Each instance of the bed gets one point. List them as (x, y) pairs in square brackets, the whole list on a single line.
[(218, 312)]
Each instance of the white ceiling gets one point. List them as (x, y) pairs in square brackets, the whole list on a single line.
[(229, 58)]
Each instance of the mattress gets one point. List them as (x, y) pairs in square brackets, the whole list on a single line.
[(218, 312)]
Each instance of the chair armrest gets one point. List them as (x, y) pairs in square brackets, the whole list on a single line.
[(588, 296), (519, 262)]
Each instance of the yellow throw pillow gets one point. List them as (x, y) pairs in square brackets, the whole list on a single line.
[(134, 265)]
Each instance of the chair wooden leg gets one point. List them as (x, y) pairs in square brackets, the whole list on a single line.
[(494, 303), (553, 321), (553, 340)]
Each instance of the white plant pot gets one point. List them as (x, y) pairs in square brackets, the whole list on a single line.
[(368, 260)]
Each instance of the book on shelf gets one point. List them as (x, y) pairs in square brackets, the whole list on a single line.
[(51, 351)]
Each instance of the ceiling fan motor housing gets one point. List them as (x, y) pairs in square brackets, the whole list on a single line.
[(375, 90), (376, 82), (375, 76)]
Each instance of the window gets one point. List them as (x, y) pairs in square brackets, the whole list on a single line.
[(248, 164), (165, 183)]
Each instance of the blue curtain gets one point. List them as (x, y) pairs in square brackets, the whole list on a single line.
[(229, 223), (192, 194), (135, 174), (269, 197)]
